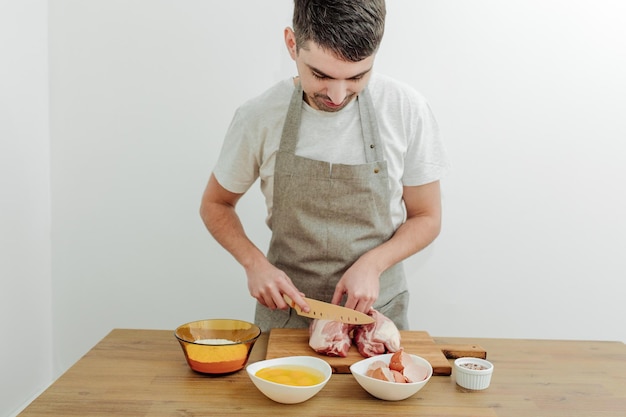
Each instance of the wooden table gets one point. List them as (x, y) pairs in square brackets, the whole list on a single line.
[(143, 373)]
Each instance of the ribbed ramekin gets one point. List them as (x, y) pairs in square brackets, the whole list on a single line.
[(473, 373)]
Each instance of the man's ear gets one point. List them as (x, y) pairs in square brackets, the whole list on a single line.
[(290, 42)]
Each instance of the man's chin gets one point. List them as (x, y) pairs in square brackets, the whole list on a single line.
[(324, 104)]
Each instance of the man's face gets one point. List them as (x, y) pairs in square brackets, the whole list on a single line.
[(329, 83)]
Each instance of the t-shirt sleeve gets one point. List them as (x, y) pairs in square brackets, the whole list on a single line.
[(237, 167), (426, 159)]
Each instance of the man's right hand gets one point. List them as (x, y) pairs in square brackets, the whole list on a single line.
[(267, 284)]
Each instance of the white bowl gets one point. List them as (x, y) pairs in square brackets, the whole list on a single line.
[(289, 394), (473, 373), (390, 391)]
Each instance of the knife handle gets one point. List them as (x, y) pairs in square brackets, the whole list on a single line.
[(290, 302)]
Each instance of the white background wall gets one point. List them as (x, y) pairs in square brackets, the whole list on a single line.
[(25, 275), (530, 97)]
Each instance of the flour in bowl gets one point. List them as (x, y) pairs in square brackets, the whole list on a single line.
[(214, 341)]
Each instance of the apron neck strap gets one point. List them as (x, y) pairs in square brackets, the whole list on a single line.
[(291, 127), (369, 126)]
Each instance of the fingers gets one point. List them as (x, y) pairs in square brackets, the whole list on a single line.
[(298, 300), (359, 302), (364, 304), (273, 299), (338, 295), (268, 290)]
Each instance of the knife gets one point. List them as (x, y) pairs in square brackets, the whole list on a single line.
[(327, 311)]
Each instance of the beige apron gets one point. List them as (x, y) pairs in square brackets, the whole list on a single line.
[(325, 216)]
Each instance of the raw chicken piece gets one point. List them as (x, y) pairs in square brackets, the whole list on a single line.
[(331, 338), (377, 338)]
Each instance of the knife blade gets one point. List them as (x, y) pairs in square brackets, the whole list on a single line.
[(328, 311)]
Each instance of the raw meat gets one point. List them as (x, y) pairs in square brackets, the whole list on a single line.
[(377, 338), (331, 338)]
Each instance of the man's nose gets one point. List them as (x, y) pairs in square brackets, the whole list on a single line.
[(337, 91)]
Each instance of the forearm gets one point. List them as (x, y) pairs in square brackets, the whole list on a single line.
[(266, 283), (411, 237), (225, 226), (423, 224), (361, 281), (217, 211)]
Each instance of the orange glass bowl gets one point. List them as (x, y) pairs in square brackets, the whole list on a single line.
[(217, 346)]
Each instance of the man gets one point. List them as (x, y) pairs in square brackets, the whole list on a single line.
[(349, 162)]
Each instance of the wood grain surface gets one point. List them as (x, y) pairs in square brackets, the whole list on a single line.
[(143, 373), (295, 342)]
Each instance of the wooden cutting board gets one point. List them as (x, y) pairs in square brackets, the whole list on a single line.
[(295, 342)]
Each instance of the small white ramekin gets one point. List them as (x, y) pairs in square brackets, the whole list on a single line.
[(474, 379)]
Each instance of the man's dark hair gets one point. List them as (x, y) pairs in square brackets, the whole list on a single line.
[(351, 29)]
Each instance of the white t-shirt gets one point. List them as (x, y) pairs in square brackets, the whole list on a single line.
[(411, 144)]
